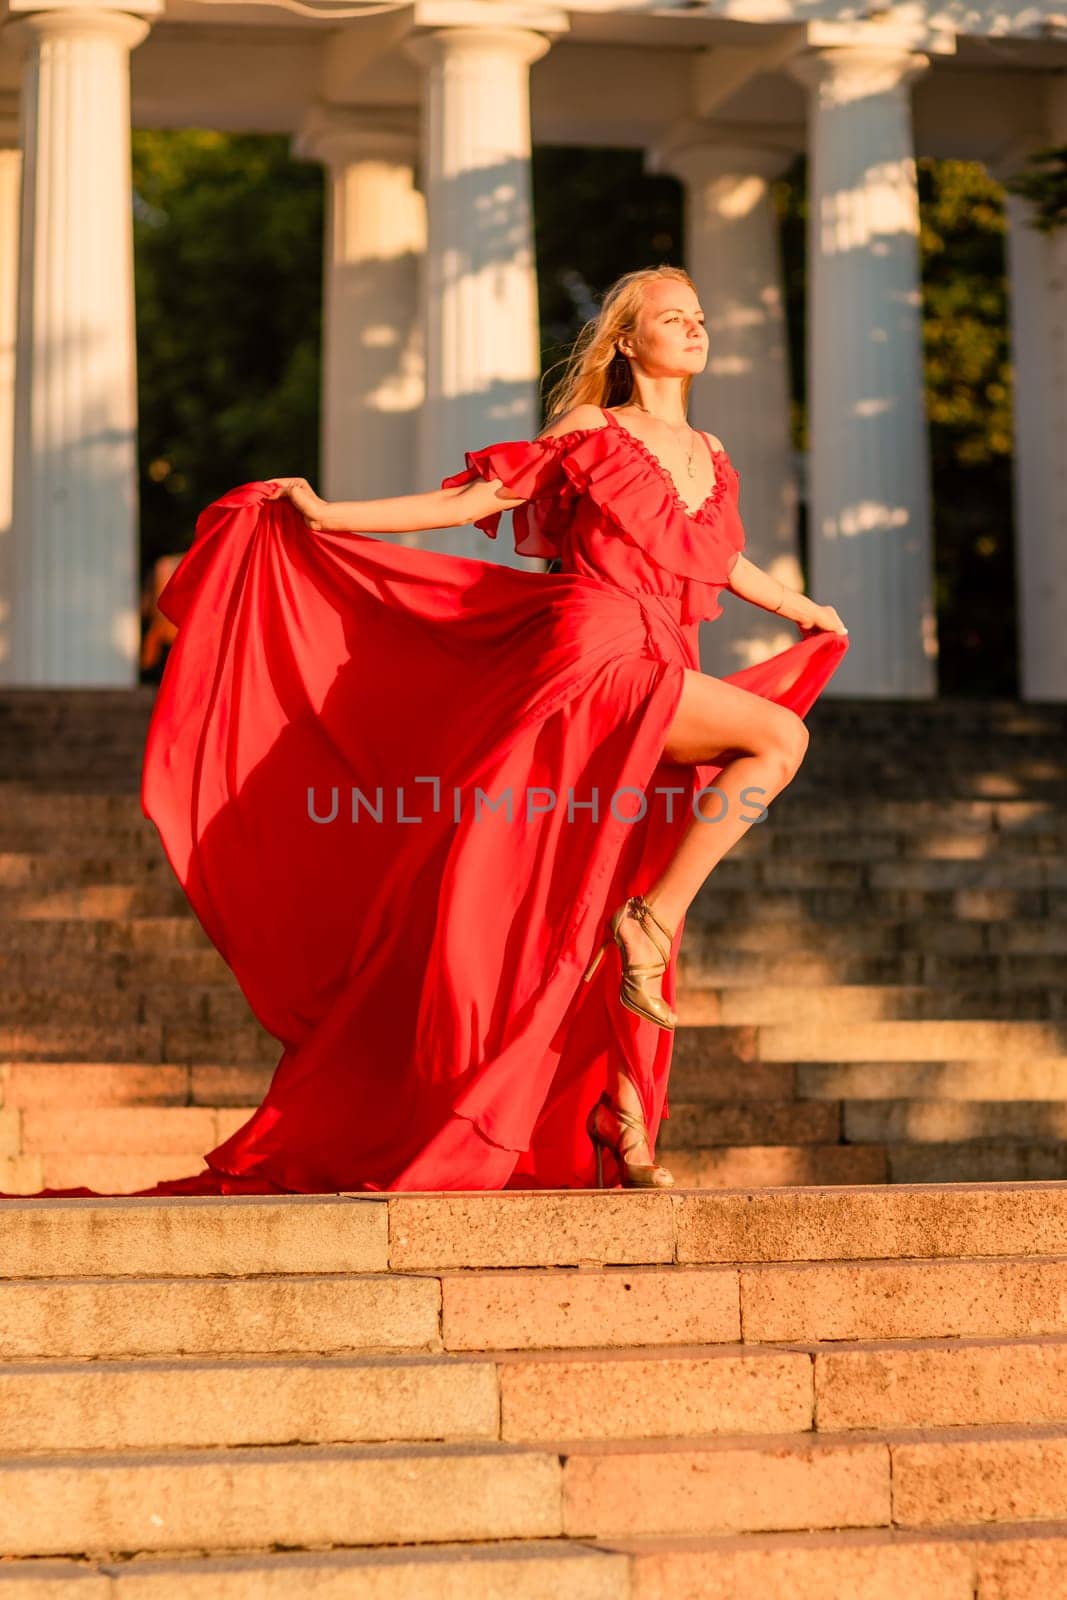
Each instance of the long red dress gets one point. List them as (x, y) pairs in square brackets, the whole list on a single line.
[(336, 733)]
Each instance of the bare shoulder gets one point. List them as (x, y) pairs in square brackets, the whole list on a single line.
[(716, 444), (583, 416)]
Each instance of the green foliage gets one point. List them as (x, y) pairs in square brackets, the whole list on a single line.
[(1043, 180), (628, 219), (228, 250), (969, 395)]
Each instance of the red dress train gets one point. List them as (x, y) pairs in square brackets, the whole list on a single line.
[(340, 726)]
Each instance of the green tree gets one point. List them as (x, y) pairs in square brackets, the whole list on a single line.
[(228, 269), (1043, 179)]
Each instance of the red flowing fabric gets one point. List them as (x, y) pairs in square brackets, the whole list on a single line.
[(339, 727)]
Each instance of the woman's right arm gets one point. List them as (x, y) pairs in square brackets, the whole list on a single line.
[(437, 508), (405, 513)]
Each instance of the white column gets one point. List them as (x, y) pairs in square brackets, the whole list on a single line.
[(479, 288), (1037, 273), (869, 507), (372, 364), (76, 563), (732, 255), (10, 179)]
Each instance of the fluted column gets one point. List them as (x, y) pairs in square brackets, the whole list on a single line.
[(372, 365), (732, 255), (479, 287), (869, 506), (76, 565), (1037, 277), (10, 179)]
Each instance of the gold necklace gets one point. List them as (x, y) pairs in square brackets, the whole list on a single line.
[(689, 467)]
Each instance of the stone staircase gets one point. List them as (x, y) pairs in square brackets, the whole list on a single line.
[(870, 982), (824, 1393), (816, 1370)]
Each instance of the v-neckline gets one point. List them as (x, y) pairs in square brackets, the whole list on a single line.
[(651, 456)]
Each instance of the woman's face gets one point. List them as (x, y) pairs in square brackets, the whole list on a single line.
[(670, 339)]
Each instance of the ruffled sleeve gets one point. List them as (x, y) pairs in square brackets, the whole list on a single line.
[(535, 469)]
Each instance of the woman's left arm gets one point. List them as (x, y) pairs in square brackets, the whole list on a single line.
[(751, 583)]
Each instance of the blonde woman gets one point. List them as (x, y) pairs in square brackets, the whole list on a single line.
[(415, 798)]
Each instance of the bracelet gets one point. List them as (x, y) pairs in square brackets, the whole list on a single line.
[(781, 602)]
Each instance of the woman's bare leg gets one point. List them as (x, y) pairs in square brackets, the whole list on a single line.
[(712, 717)]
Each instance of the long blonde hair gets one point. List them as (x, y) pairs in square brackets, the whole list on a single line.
[(595, 372)]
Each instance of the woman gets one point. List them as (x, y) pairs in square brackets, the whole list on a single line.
[(431, 960)]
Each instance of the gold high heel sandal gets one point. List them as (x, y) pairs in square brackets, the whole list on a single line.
[(633, 993), (634, 1176)]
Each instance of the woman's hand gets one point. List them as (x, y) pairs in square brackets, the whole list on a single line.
[(825, 620), (303, 496)]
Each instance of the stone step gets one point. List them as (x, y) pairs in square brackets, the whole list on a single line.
[(27, 869), (190, 1403), (220, 1005), (22, 871), (801, 1040), (930, 1478), (944, 1121), (88, 970), (1032, 1080), (223, 1005), (412, 1493), (762, 1166), (787, 840), (60, 937), (717, 938), (110, 1174), (84, 971), (716, 902), (704, 934), (738, 1123), (712, 1167), (720, 1166), (288, 1495), (58, 1085), (161, 1129), (376, 1311), (1013, 1561), (905, 1041), (124, 1130), (56, 864), (129, 843), (880, 903), (593, 1394), (706, 937), (977, 1161), (837, 1004), (120, 1041), (342, 1313), (96, 901), (238, 1235), (126, 1041), (512, 1569), (741, 969), (22, 805)]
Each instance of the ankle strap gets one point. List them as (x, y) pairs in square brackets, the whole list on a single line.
[(637, 1123), (645, 914)]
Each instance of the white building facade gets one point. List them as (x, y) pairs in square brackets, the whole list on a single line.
[(423, 116)]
